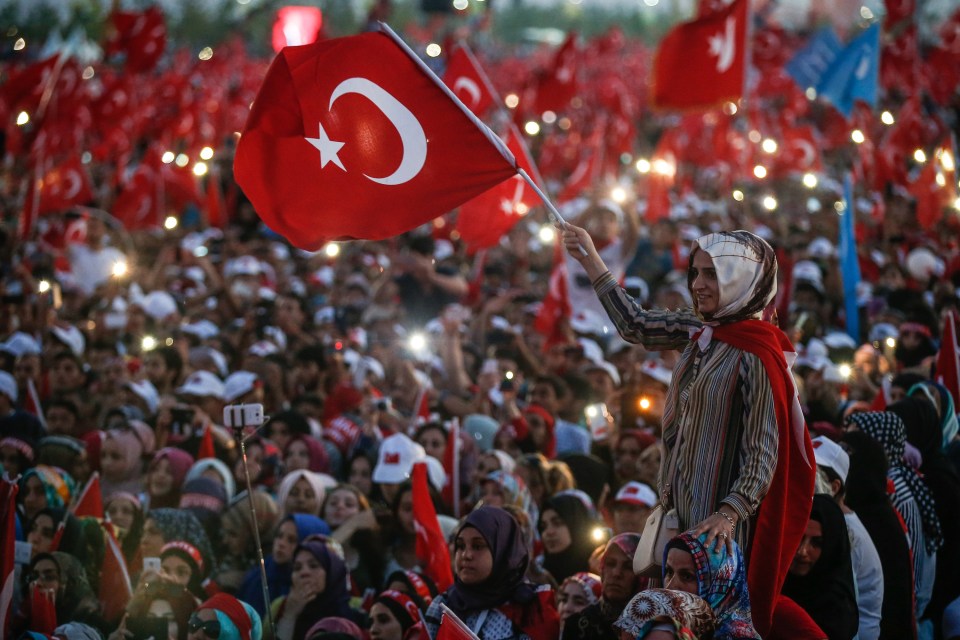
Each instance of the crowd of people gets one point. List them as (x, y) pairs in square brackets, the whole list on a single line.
[(672, 371)]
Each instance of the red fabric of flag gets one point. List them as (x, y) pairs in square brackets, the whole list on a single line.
[(115, 591), (702, 63), (453, 628), (8, 528), (948, 359), (63, 186), (90, 501), (467, 80), (141, 36), (355, 138), (557, 86), (588, 171), (139, 204), (432, 548), (206, 449), (554, 316)]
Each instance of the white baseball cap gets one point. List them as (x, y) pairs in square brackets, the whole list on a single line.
[(831, 455), (8, 386), (607, 368), (20, 344), (395, 459), (146, 392), (71, 337), (239, 383), (636, 493), (202, 384)]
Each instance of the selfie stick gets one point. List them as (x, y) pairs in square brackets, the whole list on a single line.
[(236, 417)]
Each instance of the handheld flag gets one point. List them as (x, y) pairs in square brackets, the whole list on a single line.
[(8, 526), (453, 628), (854, 74), (849, 264), (711, 49), (90, 500), (948, 359), (810, 63), (466, 79), (356, 138), (431, 545)]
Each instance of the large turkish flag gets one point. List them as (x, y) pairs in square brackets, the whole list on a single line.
[(701, 63), (356, 138), (466, 79)]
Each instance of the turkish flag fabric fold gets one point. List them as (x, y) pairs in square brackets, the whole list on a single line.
[(432, 550), (488, 217), (356, 138), (467, 80), (453, 628), (90, 501), (206, 449), (141, 36), (555, 310), (590, 168), (115, 591), (63, 186), (948, 360), (8, 528), (702, 63), (557, 86)]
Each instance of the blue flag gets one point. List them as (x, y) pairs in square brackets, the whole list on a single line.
[(855, 72), (812, 61), (849, 266)]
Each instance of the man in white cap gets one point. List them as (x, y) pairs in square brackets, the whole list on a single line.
[(834, 463), (395, 463), (631, 507)]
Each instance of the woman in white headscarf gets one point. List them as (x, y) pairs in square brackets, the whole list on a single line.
[(736, 450)]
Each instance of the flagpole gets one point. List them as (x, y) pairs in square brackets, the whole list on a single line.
[(455, 434)]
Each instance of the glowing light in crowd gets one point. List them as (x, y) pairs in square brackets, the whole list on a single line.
[(946, 160), (547, 234), (769, 145), (891, 342), (88, 73), (941, 181), (565, 123), (663, 167), (813, 205), (511, 101), (920, 156), (887, 118), (760, 171), (738, 195), (956, 204), (598, 533), (205, 54), (168, 342), (866, 13), (149, 343), (206, 153), (840, 206), (23, 118), (532, 128), (845, 371), (809, 180), (417, 342), (811, 93), (769, 203), (592, 411), (730, 108), (182, 160), (332, 250), (120, 268), (295, 26), (618, 195), (857, 136), (243, 1), (433, 49), (549, 117), (643, 165), (754, 136), (460, 5), (19, 44), (200, 169), (170, 223), (86, 157), (167, 157), (43, 286), (643, 403), (508, 375), (521, 209), (651, 3)]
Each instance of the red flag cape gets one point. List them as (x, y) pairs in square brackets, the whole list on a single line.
[(431, 545), (356, 138), (90, 501), (711, 49), (8, 528), (785, 510)]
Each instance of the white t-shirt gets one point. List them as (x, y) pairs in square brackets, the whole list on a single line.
[(868, 574), (93, 267)]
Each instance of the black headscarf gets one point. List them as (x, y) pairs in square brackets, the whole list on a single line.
[(335, 599), (827, 593), (580, 523), (510, 559)]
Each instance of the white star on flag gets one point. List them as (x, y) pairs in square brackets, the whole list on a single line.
[(328, 148)]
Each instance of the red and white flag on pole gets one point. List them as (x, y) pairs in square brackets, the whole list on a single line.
[(467, 80), (63, 186), (702, 63), (432, 548), (115, 590), (453, 628), (356, 138), (948, 360), (8, 535), (557, 85), (90, 500)]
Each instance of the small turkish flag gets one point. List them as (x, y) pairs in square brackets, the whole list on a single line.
[(115, 592), (488, 217), (557, 86), (432, 550), (799, 152), (453, 628), (64, 186), (701, 63), (356, 138), (466, 79), (90, 501), (142, 36), (139, 203)]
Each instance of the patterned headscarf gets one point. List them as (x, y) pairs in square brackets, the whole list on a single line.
[(690, 615), (589, 582), (746, 272), (515, 492), (888, 429), (176, 524), (940, 396), (58, 486), (721, 581)]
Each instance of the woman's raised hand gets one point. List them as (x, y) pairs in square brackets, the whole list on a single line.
[(580, 245)]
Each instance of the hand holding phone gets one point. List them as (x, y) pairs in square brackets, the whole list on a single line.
[(599, 420)]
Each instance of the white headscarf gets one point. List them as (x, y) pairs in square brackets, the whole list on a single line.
[(746, 272)]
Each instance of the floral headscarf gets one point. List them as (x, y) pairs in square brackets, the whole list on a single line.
[(721, 581), (888, 429), (746, 273), (177, 524), (58, 486), (589, 582), (690, 615)]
